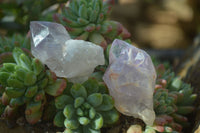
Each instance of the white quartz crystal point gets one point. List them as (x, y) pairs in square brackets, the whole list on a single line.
[(72, 59), (130, 78)]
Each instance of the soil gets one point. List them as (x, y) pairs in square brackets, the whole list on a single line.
[(10, 127)]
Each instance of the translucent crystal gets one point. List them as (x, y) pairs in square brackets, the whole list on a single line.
[(130, 78), (72, 59)]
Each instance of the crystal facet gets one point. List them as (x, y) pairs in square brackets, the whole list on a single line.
[(72, 59), (130, 78)]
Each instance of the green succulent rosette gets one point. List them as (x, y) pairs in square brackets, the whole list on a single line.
[(85, 108), (7, 44), (27, 82), (173, 100), (87, 20)]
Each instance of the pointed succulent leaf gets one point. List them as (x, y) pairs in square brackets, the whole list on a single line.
[(14, 92), (51, 77), (78, 90), (91, 86), (57, 88), (184, 110), (16, 53), (39, 95), (98, 39), (59, 119), (69, 111), (9, 67), (71, 124), (4, 77), (33, 107), (95, 99), (9, 112), (41, 75), (86, 105), (103, 89), (31, 91), (107, 103), (13, 82), (176, 84), (20, 73), (34, 117), (83, 120), (97, 122), (79, 112), (25, 61), (15, 102), (37, 66), (42, 83), (78, 102), (110, 117), (5, 99), (92, 113), (30, 78), (62, 100)]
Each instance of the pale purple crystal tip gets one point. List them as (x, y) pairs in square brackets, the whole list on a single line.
[(130, 78)]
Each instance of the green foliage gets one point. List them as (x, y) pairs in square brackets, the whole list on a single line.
[(173, 100), (87, 20), (26, 82), (85, 109), (7, 44), (22, 12)]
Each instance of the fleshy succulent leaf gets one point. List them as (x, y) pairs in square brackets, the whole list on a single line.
[(107, 103), (62, 100), (59, 119), (78, 102), (97, 121), (57, 88), (71, 124), (95, 99), (91, 85), (78, 90), (69, 111), (110, 117)]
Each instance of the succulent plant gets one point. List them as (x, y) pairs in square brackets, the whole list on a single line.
[(87, 20), (7, 44), (26, 82), (173, 99), (85, 108)]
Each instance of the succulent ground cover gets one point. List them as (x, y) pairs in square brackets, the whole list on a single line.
[(87, 20), (173, 101), (28, 85)]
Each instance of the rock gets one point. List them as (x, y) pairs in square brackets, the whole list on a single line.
[(130, 78), (134, 129), (72, 59)]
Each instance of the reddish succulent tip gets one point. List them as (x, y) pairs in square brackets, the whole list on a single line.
[(125, 34), (67, 20), (62, 87), (90, 28), (98, 27), (56, 17)]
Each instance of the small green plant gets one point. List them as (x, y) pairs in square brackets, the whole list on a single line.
[(87, 20), (7, 44), (173, 99), (26, 82), (85, 108)]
